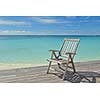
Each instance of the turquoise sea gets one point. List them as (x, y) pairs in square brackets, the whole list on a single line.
[(16, 50)]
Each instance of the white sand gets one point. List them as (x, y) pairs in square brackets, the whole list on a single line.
[(14, 66)]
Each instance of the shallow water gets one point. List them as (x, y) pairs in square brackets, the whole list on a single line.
[(33, 50)]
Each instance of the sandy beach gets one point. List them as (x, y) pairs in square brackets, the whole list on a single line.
[(14, 66), (87, 72)]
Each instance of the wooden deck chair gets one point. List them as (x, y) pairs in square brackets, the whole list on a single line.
[(65, 55)]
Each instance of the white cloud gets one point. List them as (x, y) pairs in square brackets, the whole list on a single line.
[(15, 32), (71, 17), (78, 19), (49, 20), (22, 32), (69, 20), (10, 22), (45, 20)]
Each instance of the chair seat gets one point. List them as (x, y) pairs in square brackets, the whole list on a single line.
[(60, 61)]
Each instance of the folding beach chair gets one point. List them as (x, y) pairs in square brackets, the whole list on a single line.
[(64, 56)]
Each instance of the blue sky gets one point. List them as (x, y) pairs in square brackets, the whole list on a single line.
[(49, 25)]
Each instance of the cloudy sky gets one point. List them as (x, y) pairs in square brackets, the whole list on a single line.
[(49, 25)]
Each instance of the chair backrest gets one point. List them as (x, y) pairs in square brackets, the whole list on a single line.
[(69, 46)]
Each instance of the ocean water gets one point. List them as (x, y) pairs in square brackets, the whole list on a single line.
[(33, 50)]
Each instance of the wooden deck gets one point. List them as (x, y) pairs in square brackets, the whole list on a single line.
[(88, 72)]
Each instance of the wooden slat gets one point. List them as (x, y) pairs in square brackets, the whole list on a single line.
[(69, 45)]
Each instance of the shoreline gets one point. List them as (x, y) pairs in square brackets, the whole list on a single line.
[(19, 66), (15, 66)]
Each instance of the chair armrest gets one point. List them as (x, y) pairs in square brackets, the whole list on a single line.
[(70, 53), (53, 50)]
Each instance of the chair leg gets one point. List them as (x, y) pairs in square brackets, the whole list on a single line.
[(73, 67), (65, 72), (58, 64), (72, 64), (49, 67), (60, 67)]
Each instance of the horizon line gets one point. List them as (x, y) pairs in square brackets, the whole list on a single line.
[(54, 34)]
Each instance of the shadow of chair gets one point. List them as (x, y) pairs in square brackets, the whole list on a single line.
[(81, 77), (90, 77)]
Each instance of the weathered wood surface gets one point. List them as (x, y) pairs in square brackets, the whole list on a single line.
[(67, 50), (86, 72)]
